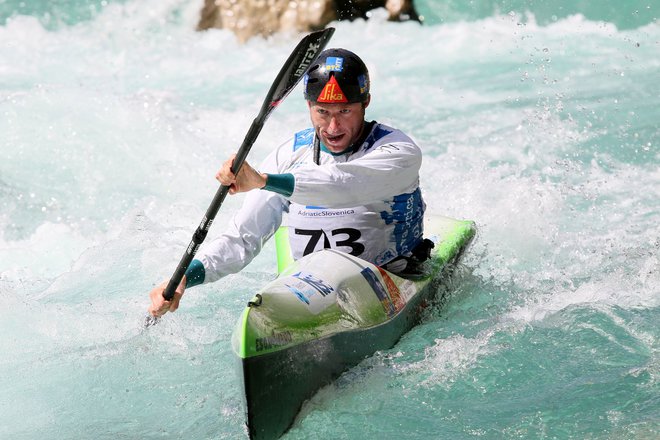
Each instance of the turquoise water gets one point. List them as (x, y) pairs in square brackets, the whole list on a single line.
[(539, 120)]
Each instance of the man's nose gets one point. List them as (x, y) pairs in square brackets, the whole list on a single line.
[(333, 125)]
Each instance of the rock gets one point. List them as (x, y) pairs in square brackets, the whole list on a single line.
[(247, 18)]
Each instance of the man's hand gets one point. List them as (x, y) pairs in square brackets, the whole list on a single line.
[(158, 304), (248, 178)]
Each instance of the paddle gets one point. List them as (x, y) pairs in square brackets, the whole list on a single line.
[(293, 70)]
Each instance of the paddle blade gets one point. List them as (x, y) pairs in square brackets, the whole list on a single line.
[(295, 68)]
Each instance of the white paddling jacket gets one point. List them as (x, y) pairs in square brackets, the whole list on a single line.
[(365, 202)]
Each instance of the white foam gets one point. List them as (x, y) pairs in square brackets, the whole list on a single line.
[(614, 289), (451, 358), (48, 252)]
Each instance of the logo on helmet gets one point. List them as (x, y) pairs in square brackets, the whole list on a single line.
[(334, 64), (332, 92), (363, 83)]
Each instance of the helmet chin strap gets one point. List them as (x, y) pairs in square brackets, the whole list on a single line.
[(317, 149)]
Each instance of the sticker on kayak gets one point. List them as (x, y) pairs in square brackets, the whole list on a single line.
[(385, 296), (395, 293), (275, 340), (407, 289), (313, 292)]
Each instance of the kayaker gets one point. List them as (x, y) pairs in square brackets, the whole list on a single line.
[(346, 184)]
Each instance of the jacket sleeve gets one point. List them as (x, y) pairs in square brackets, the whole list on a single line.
[(251, 227), (388, 169)]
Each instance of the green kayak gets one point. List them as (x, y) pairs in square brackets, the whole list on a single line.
[(325, 313)]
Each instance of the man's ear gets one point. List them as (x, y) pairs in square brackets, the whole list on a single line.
[(365, 104)]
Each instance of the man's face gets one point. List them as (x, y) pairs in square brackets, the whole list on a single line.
[(338, 125)]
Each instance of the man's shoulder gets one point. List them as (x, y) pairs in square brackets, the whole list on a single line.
[(381, 134), (380, 131), (303, 138)]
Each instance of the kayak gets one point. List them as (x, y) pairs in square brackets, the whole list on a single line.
[(325, 313)]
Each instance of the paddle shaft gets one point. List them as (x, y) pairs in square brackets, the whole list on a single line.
[(293, 70), (202, 230)]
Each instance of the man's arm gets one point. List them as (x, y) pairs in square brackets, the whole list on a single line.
[(251, 227)]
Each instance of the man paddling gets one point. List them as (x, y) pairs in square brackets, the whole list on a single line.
[(346, 184)]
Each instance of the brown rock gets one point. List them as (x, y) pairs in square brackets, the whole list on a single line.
[(247, 18)]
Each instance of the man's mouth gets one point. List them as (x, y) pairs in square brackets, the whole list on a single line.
[(335, 138)]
